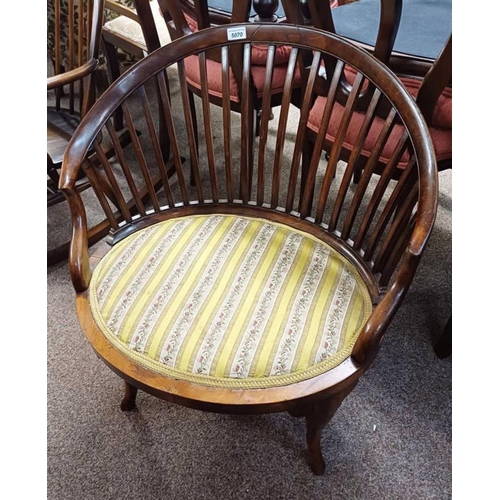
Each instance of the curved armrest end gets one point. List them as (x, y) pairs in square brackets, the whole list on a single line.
[(73, 75), (371, 336), (79, 263)]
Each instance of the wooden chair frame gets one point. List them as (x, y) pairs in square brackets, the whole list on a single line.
[(386, 264)]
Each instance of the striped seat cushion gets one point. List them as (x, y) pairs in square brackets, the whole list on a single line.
[(229, 301)]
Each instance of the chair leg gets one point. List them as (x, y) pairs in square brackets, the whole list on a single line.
[(113, 66), (443, 345), (317, 417), (128, 402), (356, 177)]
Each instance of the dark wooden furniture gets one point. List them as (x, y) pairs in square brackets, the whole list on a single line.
[(185, 17), (432, 92), (137, 29), (443, 347), (247, 293), (421, 31), (424, 28), (261, 10), (73, 43)]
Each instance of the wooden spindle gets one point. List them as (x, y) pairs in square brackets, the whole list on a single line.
[(301, 131), (401, 192), (282, 127), (207, 123), (116, 193), (353, 160), (146, 174), (97, 183), (164, 96), (191, 128), (320, 137), (155, 142), (337, 145), (264, 125), (247, 132)]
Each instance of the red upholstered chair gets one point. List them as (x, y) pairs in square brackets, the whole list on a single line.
[(432, 93), (434, 99), (188, 16)]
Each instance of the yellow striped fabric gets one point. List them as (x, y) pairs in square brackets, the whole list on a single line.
[(229, 301)]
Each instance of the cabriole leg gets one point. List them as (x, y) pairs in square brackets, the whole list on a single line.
[(316, 419)]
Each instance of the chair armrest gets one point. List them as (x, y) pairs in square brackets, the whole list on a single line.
[(368, 342), (79, 263), (73, 75), (121, 10)]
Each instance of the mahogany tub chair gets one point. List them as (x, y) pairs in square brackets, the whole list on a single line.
[(73, 44), (237, 294)]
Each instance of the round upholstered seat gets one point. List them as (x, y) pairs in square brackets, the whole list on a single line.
[(229, 301)]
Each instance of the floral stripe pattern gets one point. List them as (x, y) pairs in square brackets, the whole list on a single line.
[(229, 308), (228, 300), (265, 307)]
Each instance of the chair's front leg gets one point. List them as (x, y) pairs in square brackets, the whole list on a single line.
[(317, 417), (128, 402)]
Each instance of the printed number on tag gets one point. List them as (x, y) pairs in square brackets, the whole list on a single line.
[(236, 33)]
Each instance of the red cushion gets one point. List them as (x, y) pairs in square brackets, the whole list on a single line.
[(281, 55), (441, 116), (259, 53), (441, 137), (215, 81)]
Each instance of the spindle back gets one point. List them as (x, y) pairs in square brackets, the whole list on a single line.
[(374, 223)]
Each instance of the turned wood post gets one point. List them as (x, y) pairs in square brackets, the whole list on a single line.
[(265, 10)]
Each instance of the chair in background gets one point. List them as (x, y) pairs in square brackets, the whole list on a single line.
[(185, 17), (73, 45), (136, 28), (432, 92), (239, 294)]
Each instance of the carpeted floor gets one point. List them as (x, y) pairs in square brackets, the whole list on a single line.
[(391, 439)]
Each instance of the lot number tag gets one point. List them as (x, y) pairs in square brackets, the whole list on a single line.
[(236, 33)]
